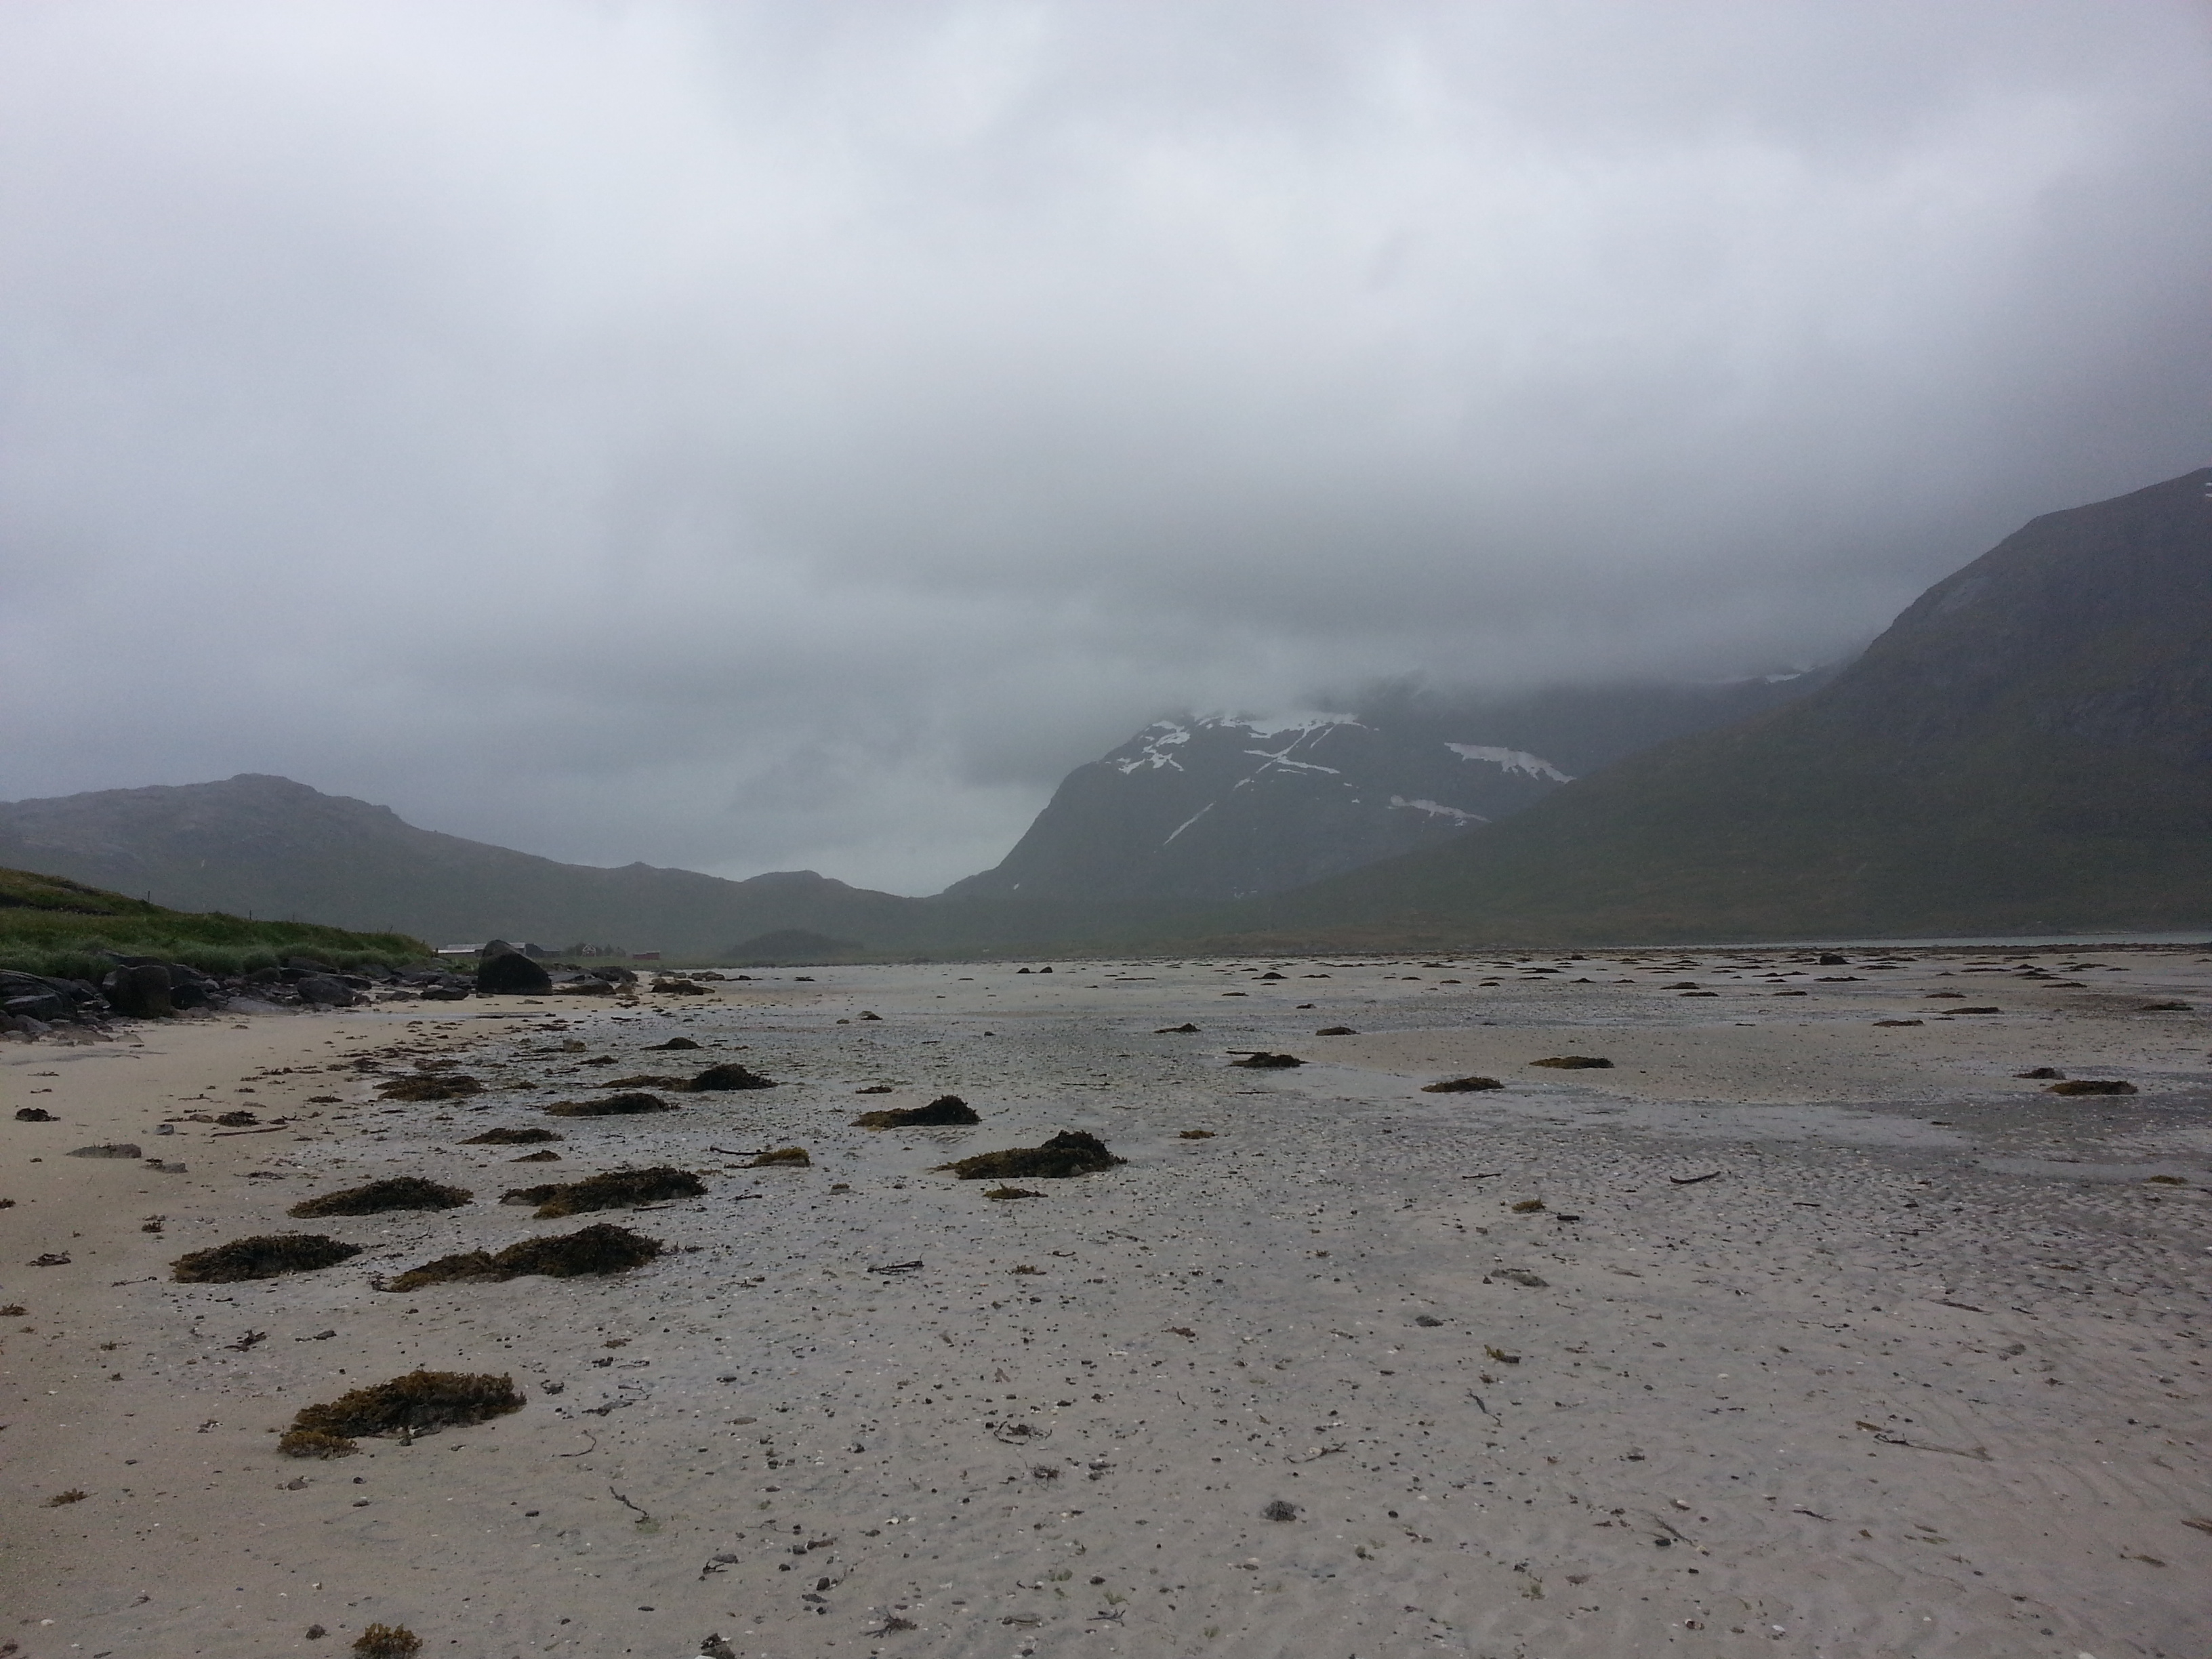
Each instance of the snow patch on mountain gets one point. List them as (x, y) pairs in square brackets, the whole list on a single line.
[(1283, 759), (1438, 810), (1301, 724), (1156, 745), (1510, 759), (1188, 822)]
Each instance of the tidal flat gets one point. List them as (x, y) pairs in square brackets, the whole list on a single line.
[(1807, 1326)]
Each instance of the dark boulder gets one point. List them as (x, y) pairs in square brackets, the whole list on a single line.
[(191, 989), (141, 992), (324, 991), (511, 974)]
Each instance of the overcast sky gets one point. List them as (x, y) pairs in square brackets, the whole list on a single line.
[(764, 436)]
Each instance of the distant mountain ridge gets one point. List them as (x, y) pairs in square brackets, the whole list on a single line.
[(1203, 809), (269, 846), (1326, 793), (2027, 749)]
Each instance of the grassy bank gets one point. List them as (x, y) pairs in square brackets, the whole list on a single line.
[(49, 925)]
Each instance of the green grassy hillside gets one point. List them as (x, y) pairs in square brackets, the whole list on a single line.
[(49, 925)]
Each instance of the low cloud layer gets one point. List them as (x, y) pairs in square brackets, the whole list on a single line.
[(765, 436)]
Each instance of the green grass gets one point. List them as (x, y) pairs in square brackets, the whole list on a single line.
[(50, 925)]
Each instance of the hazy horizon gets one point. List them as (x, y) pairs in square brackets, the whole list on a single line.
[(746, 437)]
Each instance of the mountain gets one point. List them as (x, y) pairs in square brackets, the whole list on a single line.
[(2027, 749), (269, 846), (1206, 808), (1219, 808)]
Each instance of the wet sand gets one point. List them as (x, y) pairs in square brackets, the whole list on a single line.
[(1829, 1337)]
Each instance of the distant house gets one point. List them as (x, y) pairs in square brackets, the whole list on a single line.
[(460, 950)]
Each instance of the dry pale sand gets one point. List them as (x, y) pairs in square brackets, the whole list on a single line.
[(1920, 1369)]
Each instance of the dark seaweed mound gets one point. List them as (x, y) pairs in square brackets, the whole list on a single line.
[(945, 1109), (264, 1256), (610, 1106), (1071, 1152), (603, 1248), (730, 1076), (429, 1085), (418, 1401), (618, 1190), (403, 1193)]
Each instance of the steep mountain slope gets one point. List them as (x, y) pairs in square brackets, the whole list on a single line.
[(2027, 748), (1198, 810)]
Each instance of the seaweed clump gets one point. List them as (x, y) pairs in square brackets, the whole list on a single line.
[(945, 1109), (429, 1085), (602, 1249), (1581, 1062), (2092, 1085), (402, 1192), (387, 1642), (510, 1137), (620, 1189), (794, 1158), (610, 1106), (1070, 1152), (266, 1255), (729, 1076), (1261, 1060), (406, 1405), (1464, 1086), (314, 1442)]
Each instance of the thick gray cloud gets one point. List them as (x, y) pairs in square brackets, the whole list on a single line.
[(753, 436)]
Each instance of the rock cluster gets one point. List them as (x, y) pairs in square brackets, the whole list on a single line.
[(32, 1005), (144, 988)]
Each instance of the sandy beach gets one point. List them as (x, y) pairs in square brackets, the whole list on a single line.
[(1797, 1330)]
